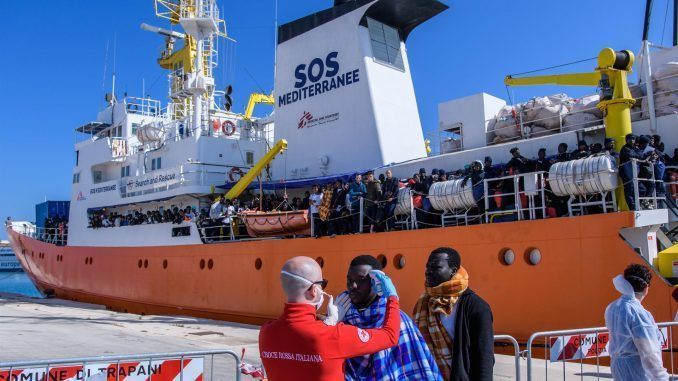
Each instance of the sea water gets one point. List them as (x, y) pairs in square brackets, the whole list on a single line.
[(17, 283)]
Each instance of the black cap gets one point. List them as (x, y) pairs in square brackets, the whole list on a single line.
[(422, 170), (542, 150), (487, 158), (582, 143), (644, 139), (514, 149), (434, 171)]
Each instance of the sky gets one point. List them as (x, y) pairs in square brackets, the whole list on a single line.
[(57, 59)]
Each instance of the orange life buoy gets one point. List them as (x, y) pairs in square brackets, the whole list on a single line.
[(228, 128), (674, 184), (234, 171)]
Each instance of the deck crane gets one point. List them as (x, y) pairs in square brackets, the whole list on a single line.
[(611, 77), (257, 98), (255, 171)]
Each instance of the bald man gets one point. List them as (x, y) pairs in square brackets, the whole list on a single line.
[(298, 346)]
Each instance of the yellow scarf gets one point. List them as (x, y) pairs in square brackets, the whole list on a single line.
[(427, 314)]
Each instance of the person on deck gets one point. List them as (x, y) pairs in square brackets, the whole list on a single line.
[(562, 155), (455, 322), (518, 161), (356, 191), (635, 340), (389, 192), (362, 307), (297, 346), (372, 197), (609, 147)]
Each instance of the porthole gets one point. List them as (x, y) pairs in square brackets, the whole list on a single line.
[(164, 264), (321, 262), (258, 263), (145, 263), (533, 256), (141, 263), (210, 264), (507, 257), (202, 264), (90, 260), (87, 260), (383, 260), (399, 261)]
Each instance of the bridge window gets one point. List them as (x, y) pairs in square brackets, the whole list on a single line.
[(76, 177), (249, 157), (385, 43), (156, 163), (124, 171)]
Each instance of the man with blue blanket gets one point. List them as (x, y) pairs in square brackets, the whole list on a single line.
[(364, 307)]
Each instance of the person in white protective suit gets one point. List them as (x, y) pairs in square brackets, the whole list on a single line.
[(635, 339)]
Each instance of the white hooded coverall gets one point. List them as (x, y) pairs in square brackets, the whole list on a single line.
[(635, 339)]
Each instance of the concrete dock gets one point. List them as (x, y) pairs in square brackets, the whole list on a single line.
[(36, 329)]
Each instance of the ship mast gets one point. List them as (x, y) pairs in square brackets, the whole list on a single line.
[(191, 82)]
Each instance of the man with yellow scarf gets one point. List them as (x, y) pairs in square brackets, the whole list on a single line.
[(455, 322)]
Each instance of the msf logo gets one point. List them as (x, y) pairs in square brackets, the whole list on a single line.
[(307, 117)]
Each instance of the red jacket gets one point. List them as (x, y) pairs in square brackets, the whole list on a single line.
[(297, 346)]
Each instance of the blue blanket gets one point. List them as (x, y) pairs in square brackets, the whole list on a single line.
[(409, 360)]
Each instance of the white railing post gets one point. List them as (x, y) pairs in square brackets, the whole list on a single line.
[(636, 193), (360, 223)]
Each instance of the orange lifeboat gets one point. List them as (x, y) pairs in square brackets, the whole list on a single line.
[(265, 224)]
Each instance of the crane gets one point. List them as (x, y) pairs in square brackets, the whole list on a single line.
[(256, 98), (279, 147), (611, 76)]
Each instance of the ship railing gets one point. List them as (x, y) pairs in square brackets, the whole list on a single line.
[(528, 196), (582, 352), (56, 236), (142, 106), (517, 125), (646, 183), (227, 228), (206, 365)]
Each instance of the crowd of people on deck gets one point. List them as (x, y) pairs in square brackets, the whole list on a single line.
[(55, 229), (175, 215), (364, 334), (335, 207)]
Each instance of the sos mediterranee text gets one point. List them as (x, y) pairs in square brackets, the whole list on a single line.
[(318, 77)]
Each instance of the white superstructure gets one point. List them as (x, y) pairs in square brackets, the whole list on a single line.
[(344, 101)]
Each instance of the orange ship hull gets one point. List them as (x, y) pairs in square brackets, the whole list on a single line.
[(239, 281)]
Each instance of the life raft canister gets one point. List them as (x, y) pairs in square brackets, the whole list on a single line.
[(233, 172), (216, 125), (228, 128)]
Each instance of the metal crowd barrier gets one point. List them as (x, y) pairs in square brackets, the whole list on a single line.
[(183, 366), (516, 351), (579, 345)]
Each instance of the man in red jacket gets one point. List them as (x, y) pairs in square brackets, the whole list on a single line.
[(298, 346)]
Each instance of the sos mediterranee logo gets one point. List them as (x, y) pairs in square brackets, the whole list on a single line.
[(318, 77)]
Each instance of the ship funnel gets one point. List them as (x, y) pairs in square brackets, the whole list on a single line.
[(343, 87)]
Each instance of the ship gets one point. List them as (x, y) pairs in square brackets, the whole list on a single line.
[(8, 261), (344, 102)]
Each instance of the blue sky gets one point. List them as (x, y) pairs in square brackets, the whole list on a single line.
[(54, 54)]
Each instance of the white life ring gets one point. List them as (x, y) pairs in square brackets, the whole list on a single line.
[(234, 171), (228, 128)]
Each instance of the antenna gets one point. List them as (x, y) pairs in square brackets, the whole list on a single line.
[(275, 42), (115, 45)]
